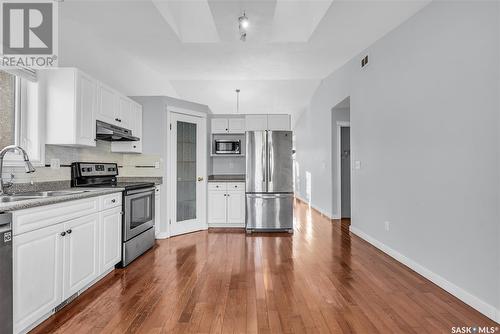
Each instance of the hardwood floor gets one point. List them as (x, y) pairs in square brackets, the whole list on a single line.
[(320, 280)]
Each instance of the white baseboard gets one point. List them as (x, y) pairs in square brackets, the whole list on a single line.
[(161, 235), (488, 310), (320, 210)]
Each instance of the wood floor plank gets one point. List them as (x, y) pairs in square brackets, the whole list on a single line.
[(321, 279)]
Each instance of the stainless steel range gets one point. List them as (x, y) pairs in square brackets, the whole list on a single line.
[(138, 205)]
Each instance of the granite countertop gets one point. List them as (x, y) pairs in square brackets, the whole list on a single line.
[(30, 203), (227, 178)]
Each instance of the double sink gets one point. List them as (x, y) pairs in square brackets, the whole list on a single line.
[(38, 194)]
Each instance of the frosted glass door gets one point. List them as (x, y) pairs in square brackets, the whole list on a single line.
[(189, 166), (186, 171)]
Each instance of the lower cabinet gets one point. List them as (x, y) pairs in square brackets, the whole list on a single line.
[(226, 204), (81, 257), (52, 263), (37, 273), (110, 238)]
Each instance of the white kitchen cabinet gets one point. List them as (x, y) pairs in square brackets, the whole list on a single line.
[(81, 253), (108, 105), (226, 204), (272, 122), (71, 106), (236, 207), (38, 265), (278, 123), (157, 209), (136, 127), (228, 125), (125, 112), (220, 125), (236, 125), (59, 250), (256, 122), (110, 238)]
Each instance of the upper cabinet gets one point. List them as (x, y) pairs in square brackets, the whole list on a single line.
[(273, 122), (108, 105), (71, 105), (135, 124), (228, 125), (75, 100)]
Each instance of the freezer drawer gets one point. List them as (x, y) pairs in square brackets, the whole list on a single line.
[(269, 212)]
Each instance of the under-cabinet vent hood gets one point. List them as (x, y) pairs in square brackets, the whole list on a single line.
[(109, 132)]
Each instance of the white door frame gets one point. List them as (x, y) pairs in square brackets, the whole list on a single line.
[(340, 124), (170, 171)]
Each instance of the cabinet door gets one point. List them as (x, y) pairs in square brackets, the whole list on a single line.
[(37, 274), (256, 122), (86, 110), (81, 258), (107, 108), (217, 212), (110, 224), (157, 210), (236, 125), (220, 125), (236, 208), (278, 122), (125, 112)]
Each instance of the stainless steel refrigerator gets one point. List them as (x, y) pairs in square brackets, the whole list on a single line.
[(269, 188)]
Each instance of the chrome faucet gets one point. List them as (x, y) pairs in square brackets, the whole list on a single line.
[(27, 164)]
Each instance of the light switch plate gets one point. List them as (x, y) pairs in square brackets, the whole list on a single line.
[(357, 164)]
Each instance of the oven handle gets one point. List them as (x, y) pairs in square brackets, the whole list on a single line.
[(139, 191)]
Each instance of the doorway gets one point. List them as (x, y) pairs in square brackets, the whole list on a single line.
[(188, 169), (345, 172)]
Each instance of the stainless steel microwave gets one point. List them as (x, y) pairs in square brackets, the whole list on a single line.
[(227, 146)]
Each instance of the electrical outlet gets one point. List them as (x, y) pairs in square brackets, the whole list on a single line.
[(157, 164), (387, 226), (55, 163), (357, 164)]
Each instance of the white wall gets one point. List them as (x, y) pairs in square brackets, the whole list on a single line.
[(424, 124)]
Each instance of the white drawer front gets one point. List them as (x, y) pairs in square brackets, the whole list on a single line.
[(111, 201), (47, 215), (232, 186), (217, 186)]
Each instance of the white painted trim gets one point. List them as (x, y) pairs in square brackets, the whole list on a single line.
[(320, 210), (340, 124), (162, 235), (488, 310), (201, 120)]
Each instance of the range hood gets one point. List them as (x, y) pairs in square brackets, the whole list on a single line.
[(109, 132)]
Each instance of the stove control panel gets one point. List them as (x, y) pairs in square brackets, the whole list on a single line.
[(96, 169)]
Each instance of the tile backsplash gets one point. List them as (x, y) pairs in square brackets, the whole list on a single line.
[(130, 164)]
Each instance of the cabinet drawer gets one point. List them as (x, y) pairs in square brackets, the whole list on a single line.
[(232, 186), (214, 186), (47, 215), (111, 201)]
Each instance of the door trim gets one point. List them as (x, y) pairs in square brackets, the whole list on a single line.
[(172, 162), (340, 124)]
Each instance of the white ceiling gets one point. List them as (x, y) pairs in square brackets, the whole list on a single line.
[(191, 49)]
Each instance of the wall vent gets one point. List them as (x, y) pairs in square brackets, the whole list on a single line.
[(364, 61)]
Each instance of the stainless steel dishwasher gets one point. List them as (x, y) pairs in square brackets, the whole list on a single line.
[(6, 316)]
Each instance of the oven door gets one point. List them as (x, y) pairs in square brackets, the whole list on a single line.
[(139, 212)]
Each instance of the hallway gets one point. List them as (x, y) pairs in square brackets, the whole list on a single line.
[(320, 280)]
